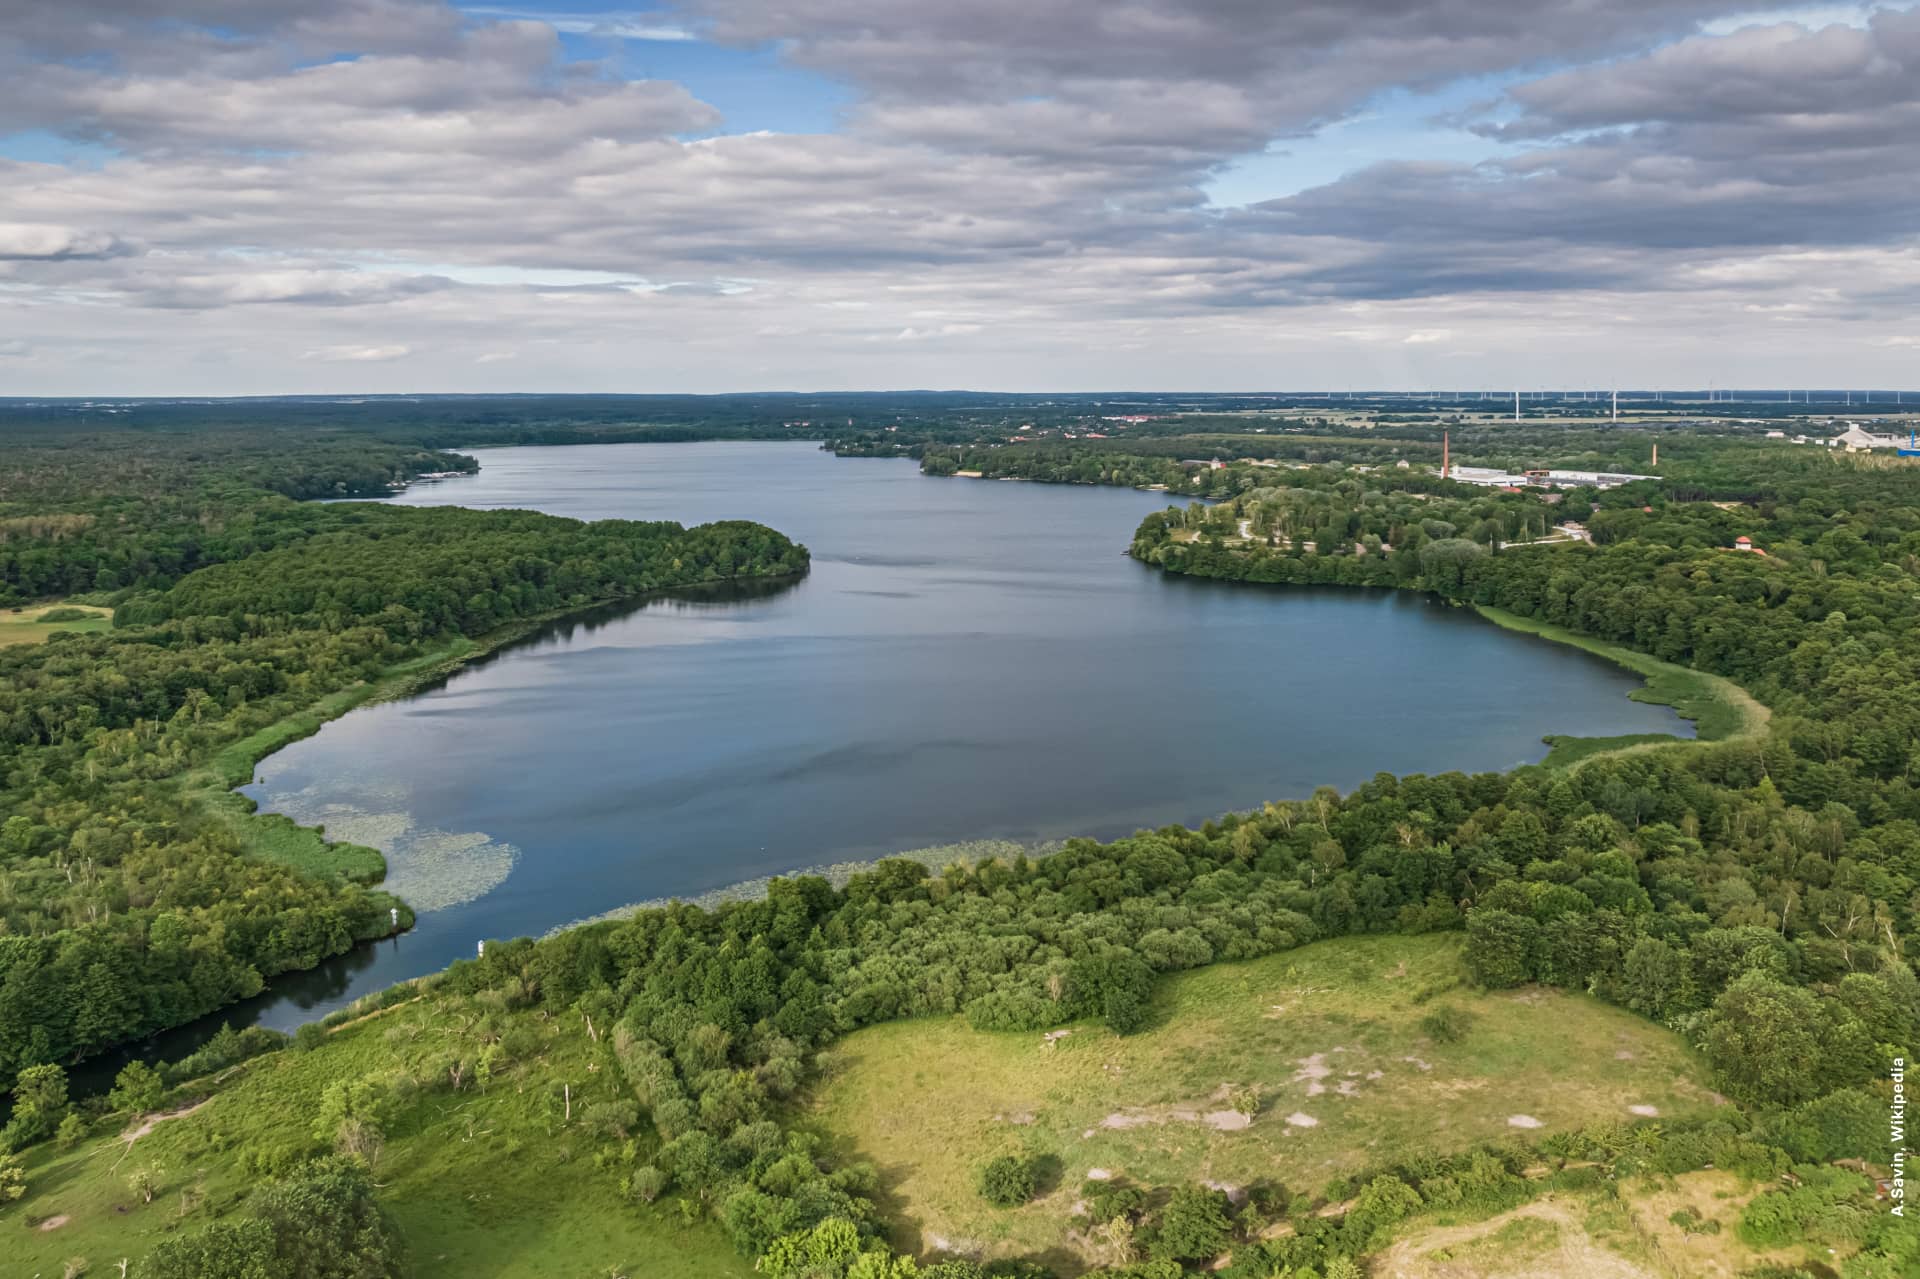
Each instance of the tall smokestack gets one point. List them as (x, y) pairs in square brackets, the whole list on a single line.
[(1656, 454), (1446, 440)]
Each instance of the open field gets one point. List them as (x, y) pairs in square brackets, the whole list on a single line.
[(25, 625), (1330, 1034), (490, 1181), (1719, 708)]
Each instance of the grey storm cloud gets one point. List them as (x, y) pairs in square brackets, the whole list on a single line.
[(1770, 139)]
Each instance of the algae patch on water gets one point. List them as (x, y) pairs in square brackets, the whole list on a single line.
[(428, 868)]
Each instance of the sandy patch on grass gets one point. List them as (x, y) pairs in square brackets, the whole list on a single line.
[(1300, 1119), (155, 1120), (1645, 1112), (53, 1222), (1524, 1121), (1433, 1254), (1719, 1195)]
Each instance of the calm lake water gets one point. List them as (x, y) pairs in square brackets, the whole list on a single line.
[(967, 660)]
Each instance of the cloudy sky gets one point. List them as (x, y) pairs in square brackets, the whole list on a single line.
[(259, 196)]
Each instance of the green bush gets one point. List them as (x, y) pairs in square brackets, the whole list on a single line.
[(1447, 1024), (1007, 1181)]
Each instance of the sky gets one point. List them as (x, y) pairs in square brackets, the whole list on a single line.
[(246, 197)]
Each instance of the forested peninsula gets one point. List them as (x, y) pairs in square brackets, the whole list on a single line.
[(645, 1093), (136, 894)]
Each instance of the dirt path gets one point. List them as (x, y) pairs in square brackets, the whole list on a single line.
[(1574, 1255), (153, 1121)]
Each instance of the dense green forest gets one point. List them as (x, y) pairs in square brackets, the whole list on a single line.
[(125, 905), (1755, 895)]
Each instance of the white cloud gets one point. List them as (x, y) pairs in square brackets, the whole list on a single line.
[(29, 240), (358, 354)]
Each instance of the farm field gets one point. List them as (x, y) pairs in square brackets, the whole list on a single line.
[(1331, 1038)]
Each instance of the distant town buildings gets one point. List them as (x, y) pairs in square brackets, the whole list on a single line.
[(1490, 477), (1856, 439)]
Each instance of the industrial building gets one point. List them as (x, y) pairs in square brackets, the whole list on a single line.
[(1490, 477)]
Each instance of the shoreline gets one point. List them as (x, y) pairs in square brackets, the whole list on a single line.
[(213, 788), (1719, 709)]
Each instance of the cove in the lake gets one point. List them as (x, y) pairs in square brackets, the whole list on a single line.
[(967, 660)]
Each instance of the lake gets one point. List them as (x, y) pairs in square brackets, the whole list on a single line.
[(967, 660)]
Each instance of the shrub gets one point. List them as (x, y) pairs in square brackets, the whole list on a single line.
[(647, 1183), (309, 1037), (1193, 1226), (1447, 1024), (1007, 1181)]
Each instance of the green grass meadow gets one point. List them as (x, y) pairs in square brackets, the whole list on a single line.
[(486, 1182), (1330, 1035), (25, 625)]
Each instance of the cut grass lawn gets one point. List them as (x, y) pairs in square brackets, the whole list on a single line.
[(1720, 709), (1330, 1034), (24, 625), (483, 1183)]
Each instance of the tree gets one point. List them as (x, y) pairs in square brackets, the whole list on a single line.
[(137, 1088), (326, 1224), (13, 1179), (1762, 1039), (833, 1249), (39, 1104), (1500, 947), (1006, 1181), (242, 1249)]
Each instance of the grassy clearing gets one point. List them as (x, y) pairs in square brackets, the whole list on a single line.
[(25, 625), (484, 1182), (1720, 709), (1329, 1034)]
